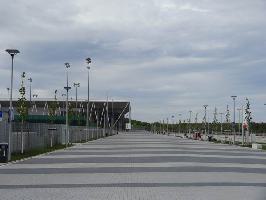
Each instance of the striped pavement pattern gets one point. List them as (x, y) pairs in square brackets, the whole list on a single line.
[(139, 166)]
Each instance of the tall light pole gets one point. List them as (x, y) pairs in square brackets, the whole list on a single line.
[(67, 88), (160, 126), (234, 122), (221, 122), (30, 80), (205, 118), (167, 126), (242, 122), (173, 117), (76, 85), (88, 60), (196, 120), (239, 120), (107, 114), (12, 53), (189, 129), (180, 119), (112, 119), (64, 106), (163, 126)]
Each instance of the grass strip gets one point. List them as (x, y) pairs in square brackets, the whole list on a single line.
[(35, 152)]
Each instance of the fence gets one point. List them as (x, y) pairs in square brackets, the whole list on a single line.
[(41, 135)]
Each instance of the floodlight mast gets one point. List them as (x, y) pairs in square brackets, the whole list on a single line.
[(234, 122), (76, 85), (190, 113), (67, 123), (221, 114), (12, 53), (30, 80), (180, 120), (88, 61), (205, 118)]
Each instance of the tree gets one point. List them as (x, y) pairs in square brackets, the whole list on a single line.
[(52, 109), (248, 118), (227, 116), (71, 112), (215, 120), (22, 108)]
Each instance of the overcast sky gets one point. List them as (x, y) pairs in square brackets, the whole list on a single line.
[(165, 56)]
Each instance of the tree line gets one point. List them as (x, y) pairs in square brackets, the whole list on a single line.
[(184, 127)]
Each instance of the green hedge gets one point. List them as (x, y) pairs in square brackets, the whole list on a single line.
[(74, 121)]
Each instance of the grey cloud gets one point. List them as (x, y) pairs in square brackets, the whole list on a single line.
[(166, 56)]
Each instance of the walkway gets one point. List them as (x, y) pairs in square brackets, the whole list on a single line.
[(139, 166)]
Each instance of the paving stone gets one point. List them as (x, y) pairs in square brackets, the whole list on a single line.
[(139, 166)]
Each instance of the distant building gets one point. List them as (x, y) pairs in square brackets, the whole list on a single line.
[(101, 112)]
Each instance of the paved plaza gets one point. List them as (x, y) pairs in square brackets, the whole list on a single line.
[(139, 166)]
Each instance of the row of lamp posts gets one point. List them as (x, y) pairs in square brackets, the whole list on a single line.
[(221, 115), (12, 53), (76, 85)]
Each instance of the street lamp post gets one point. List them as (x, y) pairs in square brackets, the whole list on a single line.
[(76, 85), (189, 129), (112, 119), (205, 118), (173, 123), (180, 115), (163, 127), (196, 118), (167, 126), (221, 122), (67, 88), (30, 79), (12, 52), (242, 126), (107, 115), (64, 106), (234, 122), (239, 120), (88, 60)]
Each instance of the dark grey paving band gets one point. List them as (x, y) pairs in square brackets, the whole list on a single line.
[(130, 185), (153, 159), (131, 170)]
